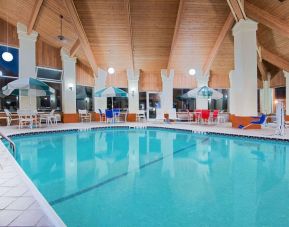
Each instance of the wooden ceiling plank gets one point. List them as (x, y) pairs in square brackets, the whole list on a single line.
[(81, 34), (74, 48), (267, 19), (33, 18), (274, 59), (177, 25), (211, 57), (131, 49)]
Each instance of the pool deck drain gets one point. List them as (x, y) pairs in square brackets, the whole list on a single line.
[(20, 204)]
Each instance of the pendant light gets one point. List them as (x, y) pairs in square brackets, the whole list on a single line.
[(7, 56)]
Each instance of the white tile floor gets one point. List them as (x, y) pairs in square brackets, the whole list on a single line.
[(18, 203)]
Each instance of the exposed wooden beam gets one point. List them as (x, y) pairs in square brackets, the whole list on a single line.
[(33, 18), (177, 25), (275, 59), (81, 34), (267, 19), (131, 48), (237, 9), (74, 48), (211, 57), (262, 69)]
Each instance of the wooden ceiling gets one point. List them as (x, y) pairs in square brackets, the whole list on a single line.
[(151, 34)]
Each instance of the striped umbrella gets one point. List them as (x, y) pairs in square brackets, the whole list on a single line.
[(110, 92), (203, 92), (27, 87)]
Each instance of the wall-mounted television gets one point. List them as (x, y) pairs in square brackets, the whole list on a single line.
[(49, 74)]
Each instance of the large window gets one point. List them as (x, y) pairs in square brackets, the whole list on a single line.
[(118, 102), (84, 98), (53, 78), (8, 72), (142, 100), (183, 104)]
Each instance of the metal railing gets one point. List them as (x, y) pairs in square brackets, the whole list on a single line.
[(11, 143)]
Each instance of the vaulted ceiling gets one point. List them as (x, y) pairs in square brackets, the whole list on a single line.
[(152, 34)]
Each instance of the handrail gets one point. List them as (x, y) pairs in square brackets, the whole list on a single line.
[(11, 143)]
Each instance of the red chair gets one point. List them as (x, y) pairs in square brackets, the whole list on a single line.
[(205, 115), (215, 115)]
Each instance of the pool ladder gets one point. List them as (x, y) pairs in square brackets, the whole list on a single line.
[(11, 143)]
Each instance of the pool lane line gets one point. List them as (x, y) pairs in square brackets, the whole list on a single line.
[(62, 199)]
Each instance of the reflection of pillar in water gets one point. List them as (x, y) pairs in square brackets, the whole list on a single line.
[(133, 151), (279, 164), (70, 161), (167, 149)]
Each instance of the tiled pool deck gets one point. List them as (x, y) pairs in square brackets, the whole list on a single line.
[(22, 205)]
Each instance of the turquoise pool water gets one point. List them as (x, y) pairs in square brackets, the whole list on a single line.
[(158, 177)]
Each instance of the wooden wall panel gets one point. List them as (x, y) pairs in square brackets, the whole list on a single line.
[(47, 55), (84, 75), (182, 80), (119, 79), (12, 34), (278, 80), (150, 81)]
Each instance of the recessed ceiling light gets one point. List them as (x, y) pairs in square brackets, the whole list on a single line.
[(7, 56), (111, 70), (192, 72)]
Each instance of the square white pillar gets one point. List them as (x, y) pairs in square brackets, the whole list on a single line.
[(286, 75), (266, 97), (133, 92), (167, 90), (68, 83), (202, 103), (245, 75), (232, 101), (27, 62), (100, 83)]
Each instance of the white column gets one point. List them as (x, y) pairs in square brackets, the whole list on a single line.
[(286, 75), (202, 103), (167, 90), (68, 83), (100, 83), (266, 97), (245, 75), (232, 102), (27, 61), (133, 94)]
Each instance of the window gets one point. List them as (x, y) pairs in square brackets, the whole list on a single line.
[(220, 104), (118, 102), (8, 102), (142, 100), (182, 104), (10, 69), (53, 78), (84, 98), (47, 103)]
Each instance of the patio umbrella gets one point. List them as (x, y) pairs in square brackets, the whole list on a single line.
[(27, 87), (203, 92), (110, 92)]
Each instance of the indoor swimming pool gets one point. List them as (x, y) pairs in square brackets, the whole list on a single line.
[(158, 177)]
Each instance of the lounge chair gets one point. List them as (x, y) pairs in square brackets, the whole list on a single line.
[(9, 117), (141, 116), (84, 115), (261, 121), (49, 118)]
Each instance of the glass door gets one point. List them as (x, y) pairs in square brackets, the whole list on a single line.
[(153, 102)]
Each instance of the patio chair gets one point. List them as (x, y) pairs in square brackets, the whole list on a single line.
[(109, 116), (48, 118), (141, 115), (116, 114), (101, 116), (205, 115), (173, 115), (261, 120), (214, 118), (84, 115), (160, 115), (198, 115), (26, 118), (9, 117)]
